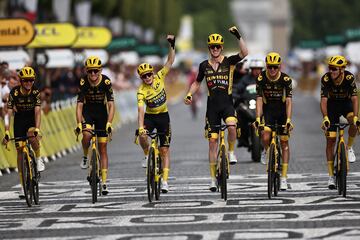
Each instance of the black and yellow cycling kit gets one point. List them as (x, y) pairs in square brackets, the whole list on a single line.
[(339, 96), (156, 113), (274, 94), (24, 109), (95, 100), (219, 82)]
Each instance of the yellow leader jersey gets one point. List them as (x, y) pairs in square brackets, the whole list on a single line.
[(154, 95)]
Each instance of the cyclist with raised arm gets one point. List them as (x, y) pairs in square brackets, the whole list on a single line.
[(95, 105), (24, 102), (274, 103), (152, 93), (218, 71), (338, 98)]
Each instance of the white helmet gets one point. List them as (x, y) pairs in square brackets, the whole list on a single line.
[(256, 63)]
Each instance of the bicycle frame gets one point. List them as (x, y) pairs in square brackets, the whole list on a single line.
[(341, 129), (222, 145)]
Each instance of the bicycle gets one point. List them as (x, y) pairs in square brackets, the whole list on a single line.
[(30, 175), (94, 170), (273, 166), (154, 168), (222, 164), (342, 162)]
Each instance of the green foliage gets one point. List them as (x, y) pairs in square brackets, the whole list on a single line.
[(315, 19)]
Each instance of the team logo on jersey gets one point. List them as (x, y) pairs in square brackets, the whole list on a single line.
[(286, 79), (107, 82), (326, 78), (349, 77), (35, 92), (16, 92), (260, 78), (82, 82)]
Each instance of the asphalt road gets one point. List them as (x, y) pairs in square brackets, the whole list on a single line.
[(189, 211)]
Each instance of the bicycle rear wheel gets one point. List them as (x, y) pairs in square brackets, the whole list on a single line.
[(224, 171), (343, 169), (94, 180), (151, 175), (26, 179), (158, 170), (271, 173)]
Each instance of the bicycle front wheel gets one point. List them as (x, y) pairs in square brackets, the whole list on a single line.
[(158, 170), (26, 179), (94, 180), (343, 169), (224, 171), (35, 180), (151, 175), (271, 173), (276, 177)]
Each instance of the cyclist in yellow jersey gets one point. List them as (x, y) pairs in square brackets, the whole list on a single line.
[(95, 105), (338, 98), (24, 101), (152, 93), (274, 103), (218, 71)]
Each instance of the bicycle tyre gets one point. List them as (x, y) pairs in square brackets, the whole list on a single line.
[(223, 174), (151, 175), (271, 174), (343, 169), (158, 171), (276, 177), (99, 174), (27, 183), (94, 182), (35, 180)]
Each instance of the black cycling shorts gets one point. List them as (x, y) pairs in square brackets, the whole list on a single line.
[(161, 122), (217, 111), (22, 123), (336, 109), (275, 113), (97, 116)]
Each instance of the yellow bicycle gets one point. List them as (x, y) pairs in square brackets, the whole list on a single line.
[(222, 165), (154, 168), (30, 175), (94, 170), (341, 159)]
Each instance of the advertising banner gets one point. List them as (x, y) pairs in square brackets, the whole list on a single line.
[(92, 37), (54, 35), (15, 32)]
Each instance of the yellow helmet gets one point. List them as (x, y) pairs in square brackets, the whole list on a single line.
[(273, 58), (337, 61), (215, 39), (144, 68), (26, 72), (93, 62)]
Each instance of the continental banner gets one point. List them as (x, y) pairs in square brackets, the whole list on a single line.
[(92, 37), (54, 35), (15, 32)]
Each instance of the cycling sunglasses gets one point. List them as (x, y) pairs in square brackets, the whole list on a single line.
[(28, 80), (273, 67), (146, 75), (215, 46), (333, 69), (95, 71)]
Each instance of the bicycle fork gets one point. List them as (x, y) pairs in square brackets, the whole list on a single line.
[(341, 137), (156, 153), (222, 143)]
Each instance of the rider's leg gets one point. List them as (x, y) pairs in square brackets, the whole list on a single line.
[(165, 157), (102, 142), (144, 143), (231, 132), (35, 144), (213, 147), (284, 142), (352, 129), (330, 145)]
